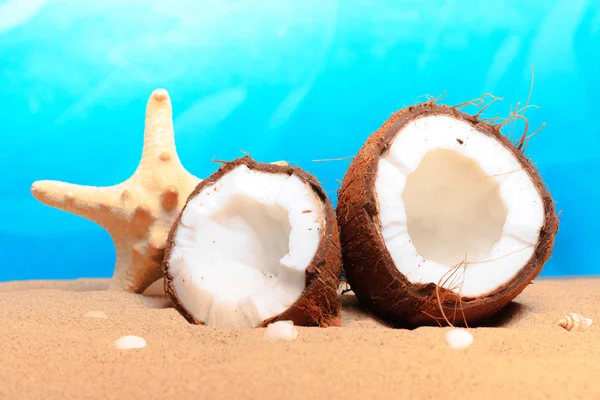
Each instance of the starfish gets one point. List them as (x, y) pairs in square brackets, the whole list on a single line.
[(139, 212)]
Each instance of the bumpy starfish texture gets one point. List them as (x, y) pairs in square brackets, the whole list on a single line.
[(138, 212)]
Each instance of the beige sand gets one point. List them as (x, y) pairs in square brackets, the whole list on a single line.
[(49, 349)]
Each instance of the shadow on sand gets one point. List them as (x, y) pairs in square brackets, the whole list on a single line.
[(353, 311)]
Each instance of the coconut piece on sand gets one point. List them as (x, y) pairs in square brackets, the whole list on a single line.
[(254, 244), (443, 220)]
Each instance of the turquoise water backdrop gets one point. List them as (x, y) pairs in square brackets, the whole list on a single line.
[(294, 80)]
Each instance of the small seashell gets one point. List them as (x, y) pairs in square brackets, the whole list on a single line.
[(459, 338), (281, 330), (575, 322), (130, 342)]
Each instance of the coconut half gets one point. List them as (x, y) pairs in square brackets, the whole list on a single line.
[(442, 218), (254, 244)]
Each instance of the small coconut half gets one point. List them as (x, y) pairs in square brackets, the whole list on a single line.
[(442, 218), (254, 244)]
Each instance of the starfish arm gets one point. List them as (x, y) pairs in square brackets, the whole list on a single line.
[(159, 137), (88, 202)]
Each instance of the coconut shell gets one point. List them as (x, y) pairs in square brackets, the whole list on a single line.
[(319, 304), (378, 284)]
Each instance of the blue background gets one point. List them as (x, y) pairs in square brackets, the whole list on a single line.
[(294, 80)]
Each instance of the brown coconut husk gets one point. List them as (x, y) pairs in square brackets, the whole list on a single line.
[(368, 266), (319, 304)]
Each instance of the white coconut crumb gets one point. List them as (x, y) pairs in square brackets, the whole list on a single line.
[(459, 338), (96, 314), (343, 287), (130, 342), (281, 330)]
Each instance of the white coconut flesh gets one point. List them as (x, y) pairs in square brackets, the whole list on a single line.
[(449, 193), (243, 245)]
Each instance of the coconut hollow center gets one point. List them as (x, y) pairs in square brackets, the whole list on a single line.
[(243, 245), (454, 210), (255, 237)]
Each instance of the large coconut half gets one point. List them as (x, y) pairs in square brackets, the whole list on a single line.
[(442, 218), (255, 243)]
